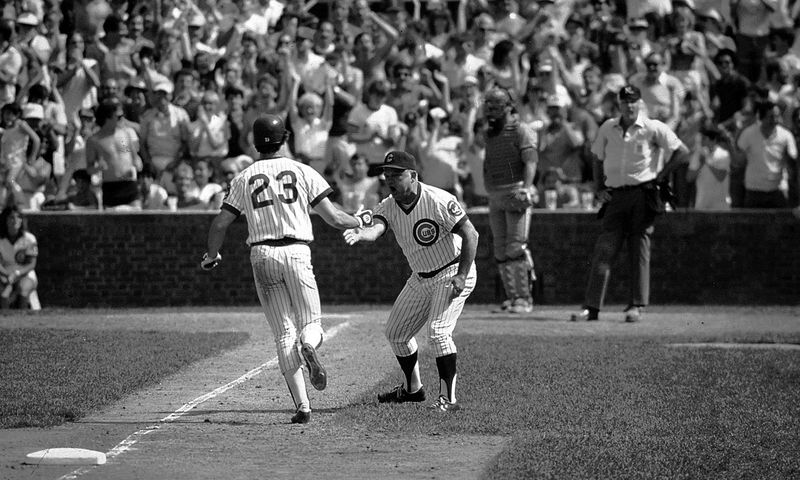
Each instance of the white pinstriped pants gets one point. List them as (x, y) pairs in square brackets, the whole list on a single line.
[(288, 293), (428, 301)]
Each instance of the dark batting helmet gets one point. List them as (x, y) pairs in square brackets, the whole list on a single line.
[(268, 131)]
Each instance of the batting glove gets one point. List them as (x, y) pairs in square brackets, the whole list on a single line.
[(210, 263), (364, 218)]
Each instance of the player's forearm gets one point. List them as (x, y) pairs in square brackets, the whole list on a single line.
[(370, 234), (469, 249), (216, 237)]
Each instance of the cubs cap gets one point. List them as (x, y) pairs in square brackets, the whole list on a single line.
[(400, 160), (268, 130), (629, 93)]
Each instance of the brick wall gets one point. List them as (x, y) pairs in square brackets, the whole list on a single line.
[(151, 259)]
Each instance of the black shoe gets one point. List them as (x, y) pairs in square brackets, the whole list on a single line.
[(316, 372), (633, 314), (400, 395), (585, 315), (301, 417)]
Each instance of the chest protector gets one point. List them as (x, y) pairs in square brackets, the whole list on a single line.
[(503, 163)]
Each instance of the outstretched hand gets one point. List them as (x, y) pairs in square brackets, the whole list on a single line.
[(352, 236)]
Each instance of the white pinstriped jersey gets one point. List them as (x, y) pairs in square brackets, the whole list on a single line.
[(426, 230), (275, 195)]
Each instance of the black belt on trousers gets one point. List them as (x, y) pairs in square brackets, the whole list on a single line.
[(280, 242), (632, 187), (437, 271)]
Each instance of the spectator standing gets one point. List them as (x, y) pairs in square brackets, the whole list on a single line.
[(752, 23), (164, 132), (113, 151), (440, 243), (209, 134), (373, 124), (560, 143), (710, 172), (627, 171), (510, 168), (662, 93), (80, 81), (19, 250), (19, 143), (767, 148), (280, 254), (728, 93), (311, 118), (11, 62), (358, 189)]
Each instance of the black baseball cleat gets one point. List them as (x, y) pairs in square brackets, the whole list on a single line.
[(316, 372), (301, 417), (400, 395)]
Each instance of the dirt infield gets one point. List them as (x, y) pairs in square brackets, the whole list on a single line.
[(244, 432)]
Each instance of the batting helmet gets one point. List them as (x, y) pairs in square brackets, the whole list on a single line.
[(269, 130)]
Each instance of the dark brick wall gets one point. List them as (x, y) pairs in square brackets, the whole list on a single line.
[(151, 259)]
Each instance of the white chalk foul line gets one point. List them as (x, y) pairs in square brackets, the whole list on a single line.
[(131, 440)]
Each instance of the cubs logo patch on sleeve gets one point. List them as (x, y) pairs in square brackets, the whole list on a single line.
[(454, 208)]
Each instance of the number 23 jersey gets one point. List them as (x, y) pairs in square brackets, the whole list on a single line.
[(276, 195), (426, 230)]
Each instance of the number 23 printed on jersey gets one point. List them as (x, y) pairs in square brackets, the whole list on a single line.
[(262, 196)]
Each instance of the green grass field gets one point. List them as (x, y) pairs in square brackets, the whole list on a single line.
[(55, 376), (614, 408), (574, 406)]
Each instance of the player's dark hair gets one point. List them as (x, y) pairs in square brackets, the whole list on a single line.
[(7, 211), (268, 148)]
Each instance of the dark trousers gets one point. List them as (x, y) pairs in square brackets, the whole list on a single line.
[(626, 220), (758, 199)]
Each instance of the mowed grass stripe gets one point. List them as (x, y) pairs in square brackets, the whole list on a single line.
[(613, 408), (54, 376)]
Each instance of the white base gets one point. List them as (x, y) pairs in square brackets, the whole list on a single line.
[(66, 456)]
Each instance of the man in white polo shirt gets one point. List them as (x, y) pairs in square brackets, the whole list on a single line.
[(767, 149), (627, 153)]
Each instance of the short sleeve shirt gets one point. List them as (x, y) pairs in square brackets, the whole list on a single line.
[(633, 157), (276, 196), (766, 157), (425, 231)]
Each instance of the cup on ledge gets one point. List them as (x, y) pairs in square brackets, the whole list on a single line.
[(551, 199), (172, 203), (587, 200)]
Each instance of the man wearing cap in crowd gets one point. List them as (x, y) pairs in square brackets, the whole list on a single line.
[(627, 176), (440, 243), (306, 62), (560, 143), (164, 132), (510, 169)]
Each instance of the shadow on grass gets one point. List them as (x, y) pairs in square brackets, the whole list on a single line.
[(613, 407)]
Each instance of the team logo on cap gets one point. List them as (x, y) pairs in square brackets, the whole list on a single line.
[(454, 208), (426, 232), (390, 157)]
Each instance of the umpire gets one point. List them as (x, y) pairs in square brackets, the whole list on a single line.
[(630, 180)]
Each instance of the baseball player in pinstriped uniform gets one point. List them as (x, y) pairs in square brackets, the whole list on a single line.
[(439, 242), (275, 194)]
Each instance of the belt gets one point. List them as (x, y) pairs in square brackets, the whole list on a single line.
[(280, 242), (631, 187), (433, 273)]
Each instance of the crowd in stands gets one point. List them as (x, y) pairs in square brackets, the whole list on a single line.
[(128, 105)]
